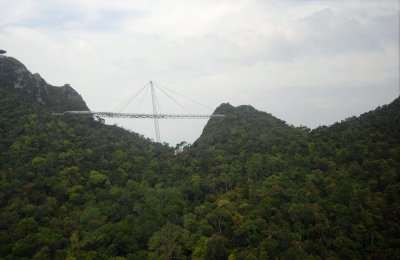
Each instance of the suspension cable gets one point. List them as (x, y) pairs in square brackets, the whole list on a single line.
[(158, 102), (124, 104), (139, 105), (176, 102), (176, 93)]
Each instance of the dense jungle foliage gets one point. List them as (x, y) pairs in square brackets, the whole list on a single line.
[(251, 187)]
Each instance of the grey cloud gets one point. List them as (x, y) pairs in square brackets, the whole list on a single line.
[(326, 33), (69, 16), (320, 34)]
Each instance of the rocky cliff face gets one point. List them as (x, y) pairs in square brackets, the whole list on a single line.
[(14, 76)]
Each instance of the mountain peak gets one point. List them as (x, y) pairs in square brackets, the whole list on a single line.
[(227, 108), (15, 77), (241, 124)]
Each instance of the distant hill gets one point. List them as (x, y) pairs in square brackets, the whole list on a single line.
[(251, 186), (245, 129)]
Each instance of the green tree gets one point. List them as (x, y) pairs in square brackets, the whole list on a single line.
[(167, 242)]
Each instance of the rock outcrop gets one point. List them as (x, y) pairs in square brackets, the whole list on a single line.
[(14, 76)]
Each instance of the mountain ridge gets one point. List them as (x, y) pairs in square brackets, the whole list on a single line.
[(251, 186)]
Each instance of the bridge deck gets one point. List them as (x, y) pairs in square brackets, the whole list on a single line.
[(132, 115)]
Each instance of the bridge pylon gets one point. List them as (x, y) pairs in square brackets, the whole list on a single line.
[(156, 115), (153, 100)]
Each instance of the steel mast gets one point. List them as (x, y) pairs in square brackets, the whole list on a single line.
[(153, 98)]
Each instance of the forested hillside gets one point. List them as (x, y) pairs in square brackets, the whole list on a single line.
[(251, 186)]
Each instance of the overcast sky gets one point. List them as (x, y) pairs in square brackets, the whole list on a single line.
[(307, 62)]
